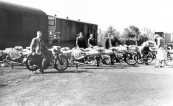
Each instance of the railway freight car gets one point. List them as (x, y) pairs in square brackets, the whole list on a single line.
[(68, 30), (19, 24)]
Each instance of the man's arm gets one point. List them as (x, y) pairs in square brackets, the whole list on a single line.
[(32, 45), (77, 42), (89, 42), (43, 44), (158, 43), (143, 46)]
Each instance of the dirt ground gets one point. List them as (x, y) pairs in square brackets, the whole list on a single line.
[(88, 86)]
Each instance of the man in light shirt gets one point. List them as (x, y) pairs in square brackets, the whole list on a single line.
[(38, 47)]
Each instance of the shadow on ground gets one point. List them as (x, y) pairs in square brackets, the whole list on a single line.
[(67, 71)]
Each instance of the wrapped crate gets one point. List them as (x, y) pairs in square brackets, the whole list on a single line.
[(93, 53), (101, 50), (19, 48), (108, 52), (114, 48), (77, 54), (68, 52), (132, 49), (122, 49)]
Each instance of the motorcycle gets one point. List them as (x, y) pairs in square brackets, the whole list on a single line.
[(56, 60), (83, 57), (96, 57), (123, 55)]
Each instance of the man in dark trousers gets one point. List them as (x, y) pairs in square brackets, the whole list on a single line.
[(108, 41), (115, 41)]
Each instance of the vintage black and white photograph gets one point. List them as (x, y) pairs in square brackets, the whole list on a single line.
[(86, 53)]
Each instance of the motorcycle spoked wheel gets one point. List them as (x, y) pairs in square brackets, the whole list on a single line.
[(117, 58), (102, 61), (147, 57), (61, 64), (169, 58), (30, 63), (131, 58), (120, 57), (154, 54)]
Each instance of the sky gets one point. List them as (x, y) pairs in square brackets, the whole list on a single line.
[(156, 15)]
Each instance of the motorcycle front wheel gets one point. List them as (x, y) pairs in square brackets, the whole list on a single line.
[(61, 63)]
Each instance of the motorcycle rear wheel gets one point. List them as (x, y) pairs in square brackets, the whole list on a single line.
[(131, 58), (29, 65), (147, 57)]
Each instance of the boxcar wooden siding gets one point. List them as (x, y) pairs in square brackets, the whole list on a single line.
[(18, 29), (69, 29)]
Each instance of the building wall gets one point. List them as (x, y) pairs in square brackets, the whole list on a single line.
[(167, 37)]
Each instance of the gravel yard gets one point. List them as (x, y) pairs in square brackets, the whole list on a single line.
[(88, 86)]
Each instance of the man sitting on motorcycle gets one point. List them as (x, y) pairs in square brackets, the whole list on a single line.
[(39, 49)]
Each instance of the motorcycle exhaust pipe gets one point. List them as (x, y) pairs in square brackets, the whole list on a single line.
[(78, 62)]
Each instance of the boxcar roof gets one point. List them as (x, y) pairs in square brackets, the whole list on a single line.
[(73, 20), (21, 8)]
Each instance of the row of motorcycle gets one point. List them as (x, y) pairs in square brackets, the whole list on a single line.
[(100, 56), (20, 56), (61, 58)]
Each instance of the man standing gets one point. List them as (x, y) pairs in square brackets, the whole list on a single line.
[(56, 39), (108, 41), (38, 47), (91, 41), (80, 41), (115, 41)]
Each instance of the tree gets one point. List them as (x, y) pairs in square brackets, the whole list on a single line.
[(113, 32), (131, 32), (134, 31), (141, 39), (147, 33), (126, 33)]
